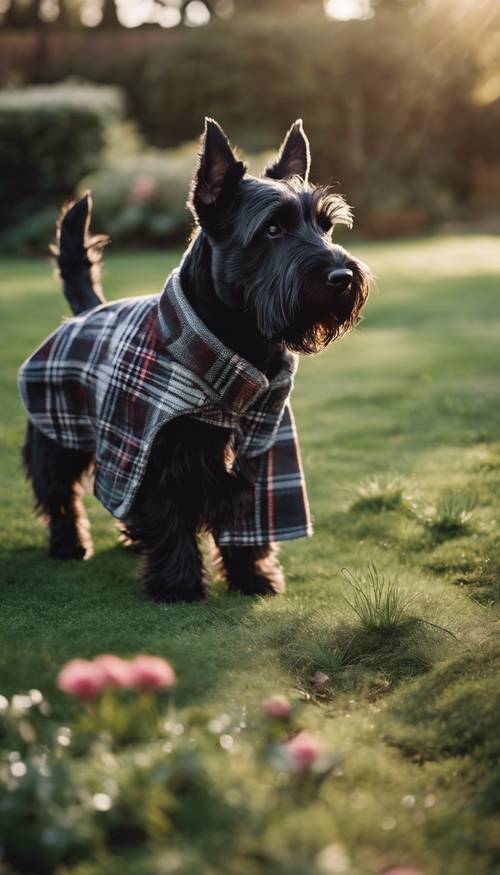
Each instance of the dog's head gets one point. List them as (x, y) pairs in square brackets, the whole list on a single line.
[(272, 253)]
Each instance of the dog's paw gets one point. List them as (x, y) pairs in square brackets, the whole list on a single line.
[(157, 590), (260, 584), (69, 551)]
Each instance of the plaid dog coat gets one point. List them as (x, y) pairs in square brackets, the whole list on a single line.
[(106, 381)]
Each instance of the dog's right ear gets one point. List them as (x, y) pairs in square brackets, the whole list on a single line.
[(294, 157), (218, 171)]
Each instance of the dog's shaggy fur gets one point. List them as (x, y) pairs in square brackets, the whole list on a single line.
[(263, 275)]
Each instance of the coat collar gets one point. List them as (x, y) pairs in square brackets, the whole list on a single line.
[(236, 382)]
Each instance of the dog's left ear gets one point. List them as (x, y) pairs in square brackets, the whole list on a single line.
[(294, 157), (218, 170)]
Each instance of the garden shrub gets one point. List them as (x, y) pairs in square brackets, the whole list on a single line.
[(50, 138), (142, 198)]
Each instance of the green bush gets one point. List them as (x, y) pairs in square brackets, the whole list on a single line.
[(49, 138), (142, 198)]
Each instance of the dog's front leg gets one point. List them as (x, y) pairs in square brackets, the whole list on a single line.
[(171, 562), (163, 522), (172, 567)]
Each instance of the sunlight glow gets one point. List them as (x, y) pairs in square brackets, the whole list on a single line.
[(168, 16), (91, 13), (48, 10), (344, 10), (224, 8), (197, 13), (132, 14)]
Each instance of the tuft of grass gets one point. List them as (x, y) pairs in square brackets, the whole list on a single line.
[(377, 600), (450, 517), (353, 660), (388, 643), (381, 493)]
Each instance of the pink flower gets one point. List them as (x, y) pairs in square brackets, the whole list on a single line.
[(302, 752), (81, 678), (116, 672), (142, 189), (152, 673), (277, 707), (402, 870)]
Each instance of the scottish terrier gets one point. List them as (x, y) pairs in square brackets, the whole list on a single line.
[(179, 402)]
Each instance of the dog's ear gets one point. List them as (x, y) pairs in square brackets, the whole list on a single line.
[(294, 157), (218, 170)]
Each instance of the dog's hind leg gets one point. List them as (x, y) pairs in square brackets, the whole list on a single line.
[(55, 473), (253, 570)]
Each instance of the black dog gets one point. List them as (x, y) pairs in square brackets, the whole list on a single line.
[(181, 400)]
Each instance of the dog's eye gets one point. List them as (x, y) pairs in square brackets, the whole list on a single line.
[(274, 230)]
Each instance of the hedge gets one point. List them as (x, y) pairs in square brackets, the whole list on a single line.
[(50, 137)]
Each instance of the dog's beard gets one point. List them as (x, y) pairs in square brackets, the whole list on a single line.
[(307, 318)]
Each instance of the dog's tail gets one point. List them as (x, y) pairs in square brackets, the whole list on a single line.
[(78, 255)]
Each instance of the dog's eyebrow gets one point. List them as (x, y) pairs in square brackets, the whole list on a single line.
[(327, 203), (266, 206)]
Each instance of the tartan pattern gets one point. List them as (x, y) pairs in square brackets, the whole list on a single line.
[(108, 380)]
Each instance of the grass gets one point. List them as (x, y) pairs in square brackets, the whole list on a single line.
[(378, 603), (411, 710), (451, 516)]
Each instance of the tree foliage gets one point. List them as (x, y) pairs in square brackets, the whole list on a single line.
[(391, 111)]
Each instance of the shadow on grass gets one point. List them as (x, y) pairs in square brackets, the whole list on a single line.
[(454, 713), (359, 660), (60, 610), (389, 642), (383, 503), (483, 583), (473, 564)]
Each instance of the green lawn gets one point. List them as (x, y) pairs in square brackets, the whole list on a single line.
[(399, 428)]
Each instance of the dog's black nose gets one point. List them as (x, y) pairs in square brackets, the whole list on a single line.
[(340, 278)]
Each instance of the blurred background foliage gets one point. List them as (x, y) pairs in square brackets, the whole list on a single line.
[(400, 98)]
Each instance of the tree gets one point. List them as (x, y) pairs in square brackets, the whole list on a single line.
[(109, 18)]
